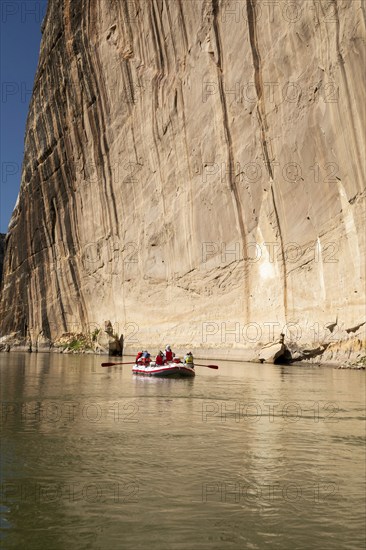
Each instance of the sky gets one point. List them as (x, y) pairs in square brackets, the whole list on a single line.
[(20, 36)]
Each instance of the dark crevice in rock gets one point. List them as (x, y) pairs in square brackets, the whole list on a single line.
[(263, 127), (348, 94), (231, 163), (157, 35), (355, 328), (314, 352), (183, 25), (284, 359)]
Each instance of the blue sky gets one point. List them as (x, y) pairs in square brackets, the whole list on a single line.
[(20, 36)]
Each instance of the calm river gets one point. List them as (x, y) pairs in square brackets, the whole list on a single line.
[(245, 457)]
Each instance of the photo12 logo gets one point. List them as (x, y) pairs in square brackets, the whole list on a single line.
[(18, 91), (269, 410), (27, 11), (224, 253), (246, 92), (9, 170), (68, 412), (225, 332), (291, 12), (291, 491), (126, 171), (91, 492), (112, 250), (255, 172)]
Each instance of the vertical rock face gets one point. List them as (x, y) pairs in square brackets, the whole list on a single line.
[(193, 171), (2, 251)]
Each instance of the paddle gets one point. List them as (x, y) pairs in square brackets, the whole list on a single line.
[(208, 366), (113, 364), (134, 362), (197, 365)]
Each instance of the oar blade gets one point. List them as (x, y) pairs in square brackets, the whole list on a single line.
[(114, 364), (208, 366)]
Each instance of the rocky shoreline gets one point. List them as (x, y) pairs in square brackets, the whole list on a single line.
[(97, 342), (349, 353)]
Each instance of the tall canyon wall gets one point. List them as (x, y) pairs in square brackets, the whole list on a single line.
[(2, 252), (193, 172)]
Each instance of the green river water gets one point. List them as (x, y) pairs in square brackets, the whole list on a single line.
[(245, 457)]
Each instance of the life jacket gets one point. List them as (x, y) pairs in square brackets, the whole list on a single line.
[(188, 358), (138, 356), (159, 360), (169, 355)]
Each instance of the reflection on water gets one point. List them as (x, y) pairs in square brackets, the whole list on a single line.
[(249, 456)]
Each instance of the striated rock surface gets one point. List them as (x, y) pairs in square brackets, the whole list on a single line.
[(194, 172), (2, 252)]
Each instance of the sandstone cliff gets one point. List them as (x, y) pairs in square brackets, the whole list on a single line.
[(2, 251), (193, 172)]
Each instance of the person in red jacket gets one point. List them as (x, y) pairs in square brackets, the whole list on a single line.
[(145, 359), (169, 354), (159, 360), (138, 357)]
